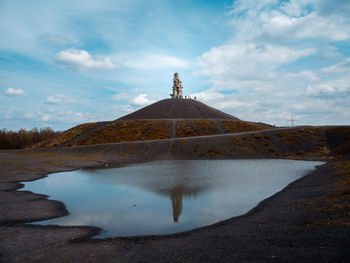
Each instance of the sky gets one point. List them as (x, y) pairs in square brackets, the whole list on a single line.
[(68, 62)]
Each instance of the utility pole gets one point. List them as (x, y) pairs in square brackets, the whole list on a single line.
[(292, 120)]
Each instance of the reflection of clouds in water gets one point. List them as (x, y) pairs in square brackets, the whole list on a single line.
[(134, 200), (158, 177), (79, 218), (55, 179), (227, 204)]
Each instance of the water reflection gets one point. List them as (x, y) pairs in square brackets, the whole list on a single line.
[(134, 200), (176, 195), (177, 184)]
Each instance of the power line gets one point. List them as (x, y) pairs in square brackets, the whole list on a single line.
[(292, 120)]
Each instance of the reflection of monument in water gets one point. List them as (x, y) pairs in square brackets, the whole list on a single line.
[(166, 182), (177, 193)]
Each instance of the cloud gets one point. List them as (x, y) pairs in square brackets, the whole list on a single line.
[(62, 116), (137, 100), (59, 100), (81, 60), (247, 61), (269, 68), (328, 52), (141, 99), (304, 94), (15, 92), (282, 27), (319, 90), (148, 61), (40, 116), (121, 97), (56, 39), (341, 67), (329, 8), (289, 21), (46, 117), (121, 109)]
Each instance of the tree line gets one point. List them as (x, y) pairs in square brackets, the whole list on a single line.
[(23, 139)]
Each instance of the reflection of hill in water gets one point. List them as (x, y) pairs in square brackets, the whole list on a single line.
[(177, 182)]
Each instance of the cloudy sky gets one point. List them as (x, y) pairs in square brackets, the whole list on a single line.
[(68, 62)]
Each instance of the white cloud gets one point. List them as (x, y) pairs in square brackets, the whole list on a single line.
[(29, 115), (209, 95), (121, 109), (319, 89), (247, 61), (305, 94), (254, 76), (328, 52), (141, 99), (59, 100), (290, 21), (295, 8), (278, 26), (138, 100), (41, 116), (63, 116), (81, 60), (46, 117), (121, 97), (341, 67), (15, 92), (148, 61)]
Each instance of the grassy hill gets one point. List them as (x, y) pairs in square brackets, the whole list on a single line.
[(150, 129), (169, 118)]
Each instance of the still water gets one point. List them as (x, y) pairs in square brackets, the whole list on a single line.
[(165, 197)]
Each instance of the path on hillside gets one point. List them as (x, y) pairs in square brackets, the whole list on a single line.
[(174, 129)]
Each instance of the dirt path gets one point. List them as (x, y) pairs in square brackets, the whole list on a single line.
[(174, 128)]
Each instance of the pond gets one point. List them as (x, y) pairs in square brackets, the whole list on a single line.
[(164, 197)]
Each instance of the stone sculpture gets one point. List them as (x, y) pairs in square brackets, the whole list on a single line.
[(177, 87)]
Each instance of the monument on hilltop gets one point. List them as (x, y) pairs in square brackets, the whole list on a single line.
[(177, 87)]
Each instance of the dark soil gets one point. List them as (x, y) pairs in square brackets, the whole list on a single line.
[(308, 221), (178, 109)]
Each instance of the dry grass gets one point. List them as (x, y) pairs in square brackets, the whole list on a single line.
[(289, 136), (214, 151), (189, 128), (334, 207), (243, 126), (186, 129), (206, 127), (118, 131), (142, 130), (67, 135)]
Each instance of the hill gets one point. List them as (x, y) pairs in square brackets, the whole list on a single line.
[(169, 118), (178, 109)]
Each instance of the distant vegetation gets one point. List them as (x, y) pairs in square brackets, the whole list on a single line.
[(23, 139)]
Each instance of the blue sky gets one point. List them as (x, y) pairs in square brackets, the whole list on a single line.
[(68, 62)]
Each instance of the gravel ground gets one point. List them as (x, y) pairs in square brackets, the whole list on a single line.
[(308, 221)]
